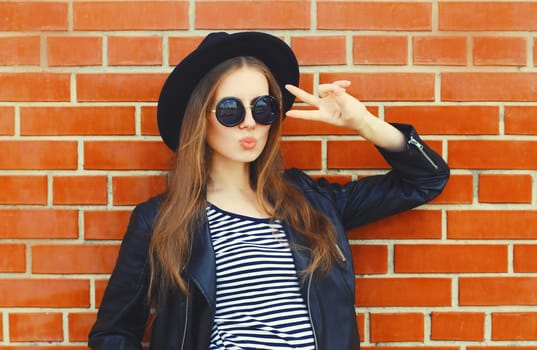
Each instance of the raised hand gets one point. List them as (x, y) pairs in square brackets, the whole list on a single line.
[(333, 105)]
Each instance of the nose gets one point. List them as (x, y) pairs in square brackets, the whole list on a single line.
[(249, 121)]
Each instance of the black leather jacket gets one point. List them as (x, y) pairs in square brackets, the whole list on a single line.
[(418, 175)]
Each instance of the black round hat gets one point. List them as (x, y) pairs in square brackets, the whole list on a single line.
[(214, 49)]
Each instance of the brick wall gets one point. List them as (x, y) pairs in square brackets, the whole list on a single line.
[(79, 147)]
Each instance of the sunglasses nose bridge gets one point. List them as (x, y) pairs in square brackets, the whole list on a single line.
[(248, 116)]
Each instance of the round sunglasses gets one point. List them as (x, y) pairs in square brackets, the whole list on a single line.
[(230, 111)]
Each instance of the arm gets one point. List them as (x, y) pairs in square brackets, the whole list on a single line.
[(124, 310), (418, 173)]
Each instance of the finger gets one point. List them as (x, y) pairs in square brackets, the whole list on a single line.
[(302, 95), (327, 89), (303, 114), (342, 83)]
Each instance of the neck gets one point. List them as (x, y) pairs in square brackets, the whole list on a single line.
[(229, 177)]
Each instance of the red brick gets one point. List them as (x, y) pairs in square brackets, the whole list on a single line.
[(354, 155), (130, 51), (74, 259), (360, 319), (372, 15), (534, 51), (370, 259), (79, 325), (26, 155), (439, 50), (524, 258), (491, 224), (499, 51), (100, 286), (38, 223), (15, 87), (35, 326), (447, 120), (291, 14), (20, 50), (520, 120), (302, 154), (105, 224), (496, 291), (484, 154), (149, 120), (491, 15), (463, 326), (359, 154), (53, 292), (505, 188), (77, 121), (307, 50), (29, 16), (399, 327), (126, 15), (444, 258), (23, 189), (380, 49), (129, 190), (126, 155), (383, 292), (74, 51), (489, 86), (12, 257), (414, 224), (386, 86), (79, 190), (306, 82), (459, 190), (119, 87), (180, 47), (7, 120), (514, 326)]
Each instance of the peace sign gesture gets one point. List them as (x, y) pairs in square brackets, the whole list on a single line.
[(333, 105)]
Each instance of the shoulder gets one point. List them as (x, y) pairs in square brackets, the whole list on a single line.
[(299, 179), (145, 213)]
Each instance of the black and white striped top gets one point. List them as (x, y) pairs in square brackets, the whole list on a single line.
[(258, 300)]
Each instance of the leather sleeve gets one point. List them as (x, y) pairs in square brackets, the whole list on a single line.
[(124, 309), (417, 176)]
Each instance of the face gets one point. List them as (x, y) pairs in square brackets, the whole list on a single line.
[(244, 142)]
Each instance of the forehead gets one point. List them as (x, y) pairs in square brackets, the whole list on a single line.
[(245, 82)]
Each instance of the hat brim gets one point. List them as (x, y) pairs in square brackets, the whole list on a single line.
[(176, 91)]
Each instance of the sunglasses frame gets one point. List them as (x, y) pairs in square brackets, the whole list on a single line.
[(273, 101)]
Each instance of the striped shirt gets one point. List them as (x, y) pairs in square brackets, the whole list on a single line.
[(258, 299)]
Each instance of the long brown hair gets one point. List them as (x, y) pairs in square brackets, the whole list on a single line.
[(184, 205)]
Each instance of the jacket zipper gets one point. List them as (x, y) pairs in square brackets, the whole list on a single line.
[(341, 255), (186, 321), (309, 312), (419, 146)]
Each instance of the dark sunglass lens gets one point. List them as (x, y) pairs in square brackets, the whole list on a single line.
[(229, 111), (265, 110)]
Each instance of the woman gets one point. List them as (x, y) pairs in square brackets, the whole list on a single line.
[(239, 254)]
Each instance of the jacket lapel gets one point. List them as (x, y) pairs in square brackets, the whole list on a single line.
[(202, 265)]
